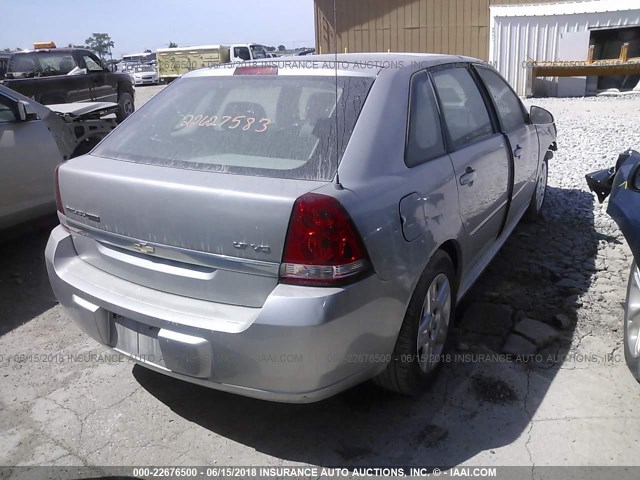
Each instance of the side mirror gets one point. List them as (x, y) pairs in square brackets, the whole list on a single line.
[(540, 116), (23, 113)]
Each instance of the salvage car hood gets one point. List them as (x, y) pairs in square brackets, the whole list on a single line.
[(622, 184), (84, 109)]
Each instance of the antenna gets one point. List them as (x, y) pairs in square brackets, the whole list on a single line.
[(335, 64)]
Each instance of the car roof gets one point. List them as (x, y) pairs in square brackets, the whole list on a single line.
[(359, 64)]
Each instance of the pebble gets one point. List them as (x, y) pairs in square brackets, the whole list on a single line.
[(518, 346), (537, 332), (488, 319), (562, 321)]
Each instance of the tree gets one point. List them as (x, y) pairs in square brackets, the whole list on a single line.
[(173, 45), (100, 43), (147, 51), (281, 48)]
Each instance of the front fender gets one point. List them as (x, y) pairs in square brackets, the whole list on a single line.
[(624, 203)]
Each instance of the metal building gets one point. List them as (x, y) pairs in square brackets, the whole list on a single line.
[(508, 33), (435, 26), (564, 32)]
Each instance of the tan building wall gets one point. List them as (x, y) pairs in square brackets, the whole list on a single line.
[(434, 26)]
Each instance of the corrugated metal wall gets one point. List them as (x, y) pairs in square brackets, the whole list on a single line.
[(536, 36), (434, 26)]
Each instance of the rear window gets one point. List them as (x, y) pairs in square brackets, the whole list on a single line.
[(42, 63), (276, 126)]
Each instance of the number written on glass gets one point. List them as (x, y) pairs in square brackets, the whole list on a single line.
[(241, 122)]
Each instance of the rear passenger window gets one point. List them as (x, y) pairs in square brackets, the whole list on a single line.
[(465, 113), (424, 141), (507, 103)]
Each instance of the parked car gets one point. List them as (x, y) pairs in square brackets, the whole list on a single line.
[(68, 75), (285, 232), (622, 184), (144, 75), (34, 139)]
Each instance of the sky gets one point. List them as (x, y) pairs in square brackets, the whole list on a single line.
[(138, 25)]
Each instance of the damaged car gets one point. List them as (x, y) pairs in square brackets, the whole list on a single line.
[(34, 140), (51, 75), (286, 232), (622, 184)]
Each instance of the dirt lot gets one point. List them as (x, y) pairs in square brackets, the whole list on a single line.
[(575, 404)]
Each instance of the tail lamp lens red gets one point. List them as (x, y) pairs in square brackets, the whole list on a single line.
[(323, 247)]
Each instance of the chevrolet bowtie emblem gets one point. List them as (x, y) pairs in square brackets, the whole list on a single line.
[(144, 248)]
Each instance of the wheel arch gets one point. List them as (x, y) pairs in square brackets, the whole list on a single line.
[(453, 249), (125, 87)]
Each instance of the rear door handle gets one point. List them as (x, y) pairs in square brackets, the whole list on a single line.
[(468, 177), (517, 152)]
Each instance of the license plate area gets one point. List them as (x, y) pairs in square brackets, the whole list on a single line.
[(166, 349), (136, 339)]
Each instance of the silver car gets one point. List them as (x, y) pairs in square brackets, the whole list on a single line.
[(285, 230), (34, 139)]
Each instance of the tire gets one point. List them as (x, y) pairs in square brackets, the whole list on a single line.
[(534, 212), (126, 106), (411, 369), (632, 323)]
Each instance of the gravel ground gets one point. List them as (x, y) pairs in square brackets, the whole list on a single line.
[(556, 289)]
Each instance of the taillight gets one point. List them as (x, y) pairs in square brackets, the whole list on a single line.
[(323, 247), (57, 186)]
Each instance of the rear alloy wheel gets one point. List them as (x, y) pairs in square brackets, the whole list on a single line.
[(125, 106), (632, 322), (422, 340), (434, 323), (537, 200)]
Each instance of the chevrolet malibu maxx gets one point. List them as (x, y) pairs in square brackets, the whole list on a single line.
[(285, 230)]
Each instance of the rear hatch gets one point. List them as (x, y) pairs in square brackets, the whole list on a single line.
[(194, 193)]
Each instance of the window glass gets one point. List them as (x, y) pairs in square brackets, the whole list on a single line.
[(425, 140), (92, 65), (242, 53), (276, 126), (6, 114), (258, 52), (145, 68), (507, 103), (42, 64), (463, 107), (4, 63)]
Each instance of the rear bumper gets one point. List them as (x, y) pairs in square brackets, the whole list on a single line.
[(303, 345)]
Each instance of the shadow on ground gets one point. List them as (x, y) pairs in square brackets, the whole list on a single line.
[(477, 403), (24, 285)]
